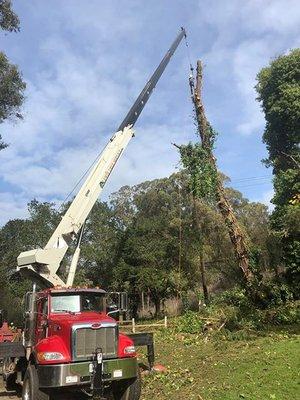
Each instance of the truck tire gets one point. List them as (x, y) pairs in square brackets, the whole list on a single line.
[(8, 375), (31, 389), (128, 390), (10, 382)]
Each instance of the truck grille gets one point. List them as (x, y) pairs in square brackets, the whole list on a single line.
[(86, 340)]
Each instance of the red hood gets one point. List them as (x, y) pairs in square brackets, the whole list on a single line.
[(59, 334), (60, 328)]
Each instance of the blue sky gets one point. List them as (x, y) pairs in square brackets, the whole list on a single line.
[(86, 61)]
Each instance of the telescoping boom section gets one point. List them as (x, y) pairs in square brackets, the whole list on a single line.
[(42, 265)]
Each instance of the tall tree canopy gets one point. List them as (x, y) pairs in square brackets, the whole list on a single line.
[(278, 88), (12, 85)]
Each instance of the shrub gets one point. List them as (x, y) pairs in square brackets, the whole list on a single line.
[(235, 297), (288, 314), (190, 322)]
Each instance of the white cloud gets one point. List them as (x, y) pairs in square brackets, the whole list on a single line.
[(266, 198), (248, 35), (279, 16), (248, 59), (149, 155), (251, 16), (11, 205)]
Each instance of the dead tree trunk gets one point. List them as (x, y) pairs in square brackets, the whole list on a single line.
[(236, 235)]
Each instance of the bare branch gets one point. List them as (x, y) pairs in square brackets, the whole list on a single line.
[(176, 145), (297, 163)]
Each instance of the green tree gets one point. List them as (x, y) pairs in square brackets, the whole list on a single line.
[(16, 236), (151, 249), (159, 250), (9, 21), (12, 86), (278, 88), (100, 245)]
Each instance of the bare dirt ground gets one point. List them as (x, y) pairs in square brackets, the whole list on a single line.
[(16, 395), (4, 395)]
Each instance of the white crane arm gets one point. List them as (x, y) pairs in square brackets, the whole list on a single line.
[(42, 264)]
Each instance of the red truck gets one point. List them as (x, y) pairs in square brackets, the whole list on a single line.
[(70, 340)]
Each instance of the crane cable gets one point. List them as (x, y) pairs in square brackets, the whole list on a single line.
[(79, 181), (191, 75)]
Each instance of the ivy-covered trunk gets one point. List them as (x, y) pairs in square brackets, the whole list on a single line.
[(205, 180), (236, 235)]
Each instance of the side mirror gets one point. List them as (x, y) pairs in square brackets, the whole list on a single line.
[(123, 302), (117, 303), (27, 300), (1, 318), (112, 311)]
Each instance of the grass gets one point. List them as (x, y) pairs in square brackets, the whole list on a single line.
[(260, 366)]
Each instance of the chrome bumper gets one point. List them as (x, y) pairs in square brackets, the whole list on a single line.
[(59, 375)]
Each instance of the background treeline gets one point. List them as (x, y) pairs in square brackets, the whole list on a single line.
[(143, 241)]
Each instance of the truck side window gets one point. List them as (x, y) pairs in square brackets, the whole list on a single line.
[(92, 302), (44, 308)]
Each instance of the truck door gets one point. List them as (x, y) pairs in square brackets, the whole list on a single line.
[(30, 319), (42, 319)]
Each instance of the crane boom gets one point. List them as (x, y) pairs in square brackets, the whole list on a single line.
[(142, 99), (41, 265)]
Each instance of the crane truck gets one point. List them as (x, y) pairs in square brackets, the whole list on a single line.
[(70, 341)]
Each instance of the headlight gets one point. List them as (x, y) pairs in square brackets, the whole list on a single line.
[(129, 350), (49, 356)]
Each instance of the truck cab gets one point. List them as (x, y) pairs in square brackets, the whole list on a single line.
[(70, 341)]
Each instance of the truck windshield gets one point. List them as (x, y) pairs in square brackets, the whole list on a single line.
[(77, 302)]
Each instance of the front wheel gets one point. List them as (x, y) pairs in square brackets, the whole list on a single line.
[(10, 382), (8, 374), (128, 390), (31, 389)]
